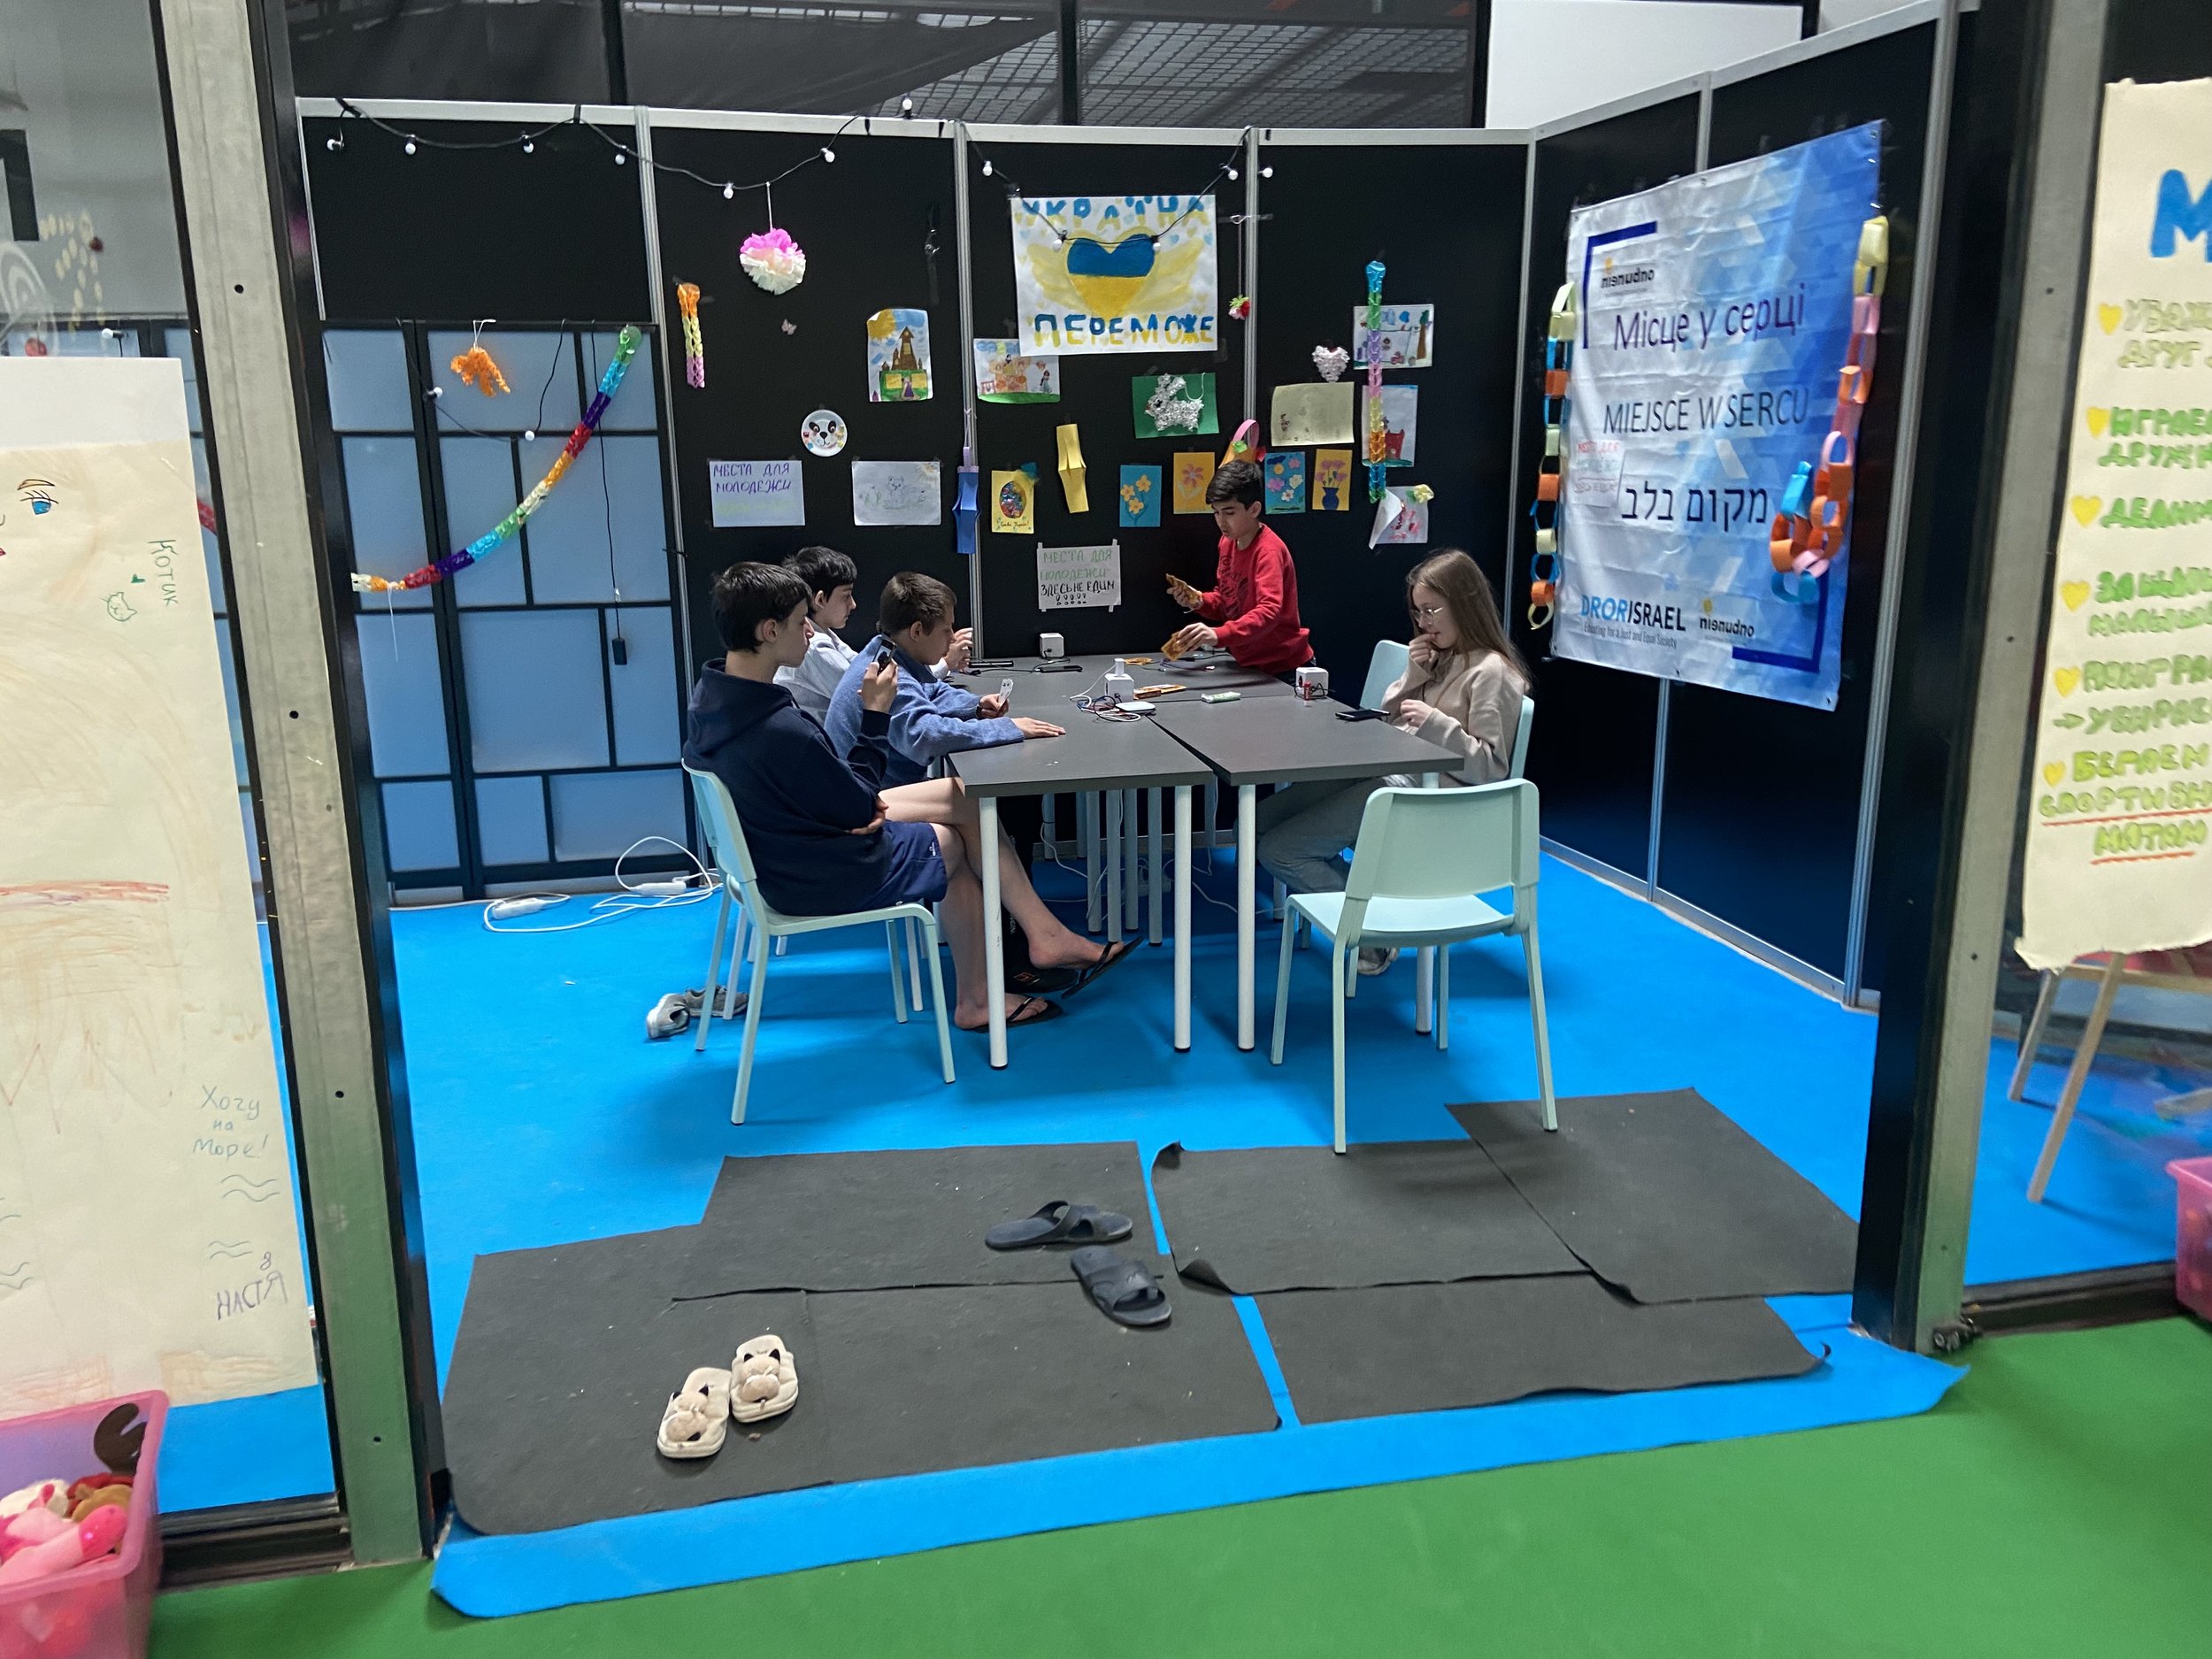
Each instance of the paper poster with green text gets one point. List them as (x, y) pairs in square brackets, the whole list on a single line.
[(2122, 795)]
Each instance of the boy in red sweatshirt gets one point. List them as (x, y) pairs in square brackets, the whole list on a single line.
[(1253, 609)]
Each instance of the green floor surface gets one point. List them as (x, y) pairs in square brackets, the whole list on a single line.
[(2059, 1502)]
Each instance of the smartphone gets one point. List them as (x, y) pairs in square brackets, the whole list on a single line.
[(1361, 714), (883, 656), (992, 661)]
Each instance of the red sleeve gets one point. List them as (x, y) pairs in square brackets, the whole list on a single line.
[(1261, 618), (1209, 604)]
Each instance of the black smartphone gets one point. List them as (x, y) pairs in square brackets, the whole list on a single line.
[(992, 661), (883, 656), (1059, 668), (1361, 714)]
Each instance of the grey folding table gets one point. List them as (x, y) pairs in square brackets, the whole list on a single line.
[(1286, 740), (1097, 755), (1107, 828)]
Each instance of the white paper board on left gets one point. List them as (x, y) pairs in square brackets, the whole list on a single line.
[(149, 1232), (750, 493)]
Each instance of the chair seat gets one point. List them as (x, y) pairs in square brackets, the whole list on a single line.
[(1401, 922), (777, 923)]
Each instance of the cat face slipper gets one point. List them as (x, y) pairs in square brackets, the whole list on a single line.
[(697, 1416), (763, 1380)]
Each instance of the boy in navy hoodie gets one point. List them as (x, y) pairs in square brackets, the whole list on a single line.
[(826, 839)]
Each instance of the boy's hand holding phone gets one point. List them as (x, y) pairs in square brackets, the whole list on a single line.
[(879, 684)]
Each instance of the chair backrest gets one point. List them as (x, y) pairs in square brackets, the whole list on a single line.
[(1520, 737), (1384, 670), (1445, 843), (725, 837)]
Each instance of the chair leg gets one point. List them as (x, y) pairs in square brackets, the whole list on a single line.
[(714, 963), (937, 995), (1543, 1030), (740, 953), (1338, 994), (1443, 998), (1424, 989), (914, 961), (752, 1026), (898, 977), (2077, 1074), (783, 944), (2031, 1040), (1282, 985)]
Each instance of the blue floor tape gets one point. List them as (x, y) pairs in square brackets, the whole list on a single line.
[(825, 1526)]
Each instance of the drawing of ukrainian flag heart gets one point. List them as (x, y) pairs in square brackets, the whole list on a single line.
[(1109, 274)]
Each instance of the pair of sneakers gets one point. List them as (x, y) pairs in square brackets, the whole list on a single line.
[(762, 1382)]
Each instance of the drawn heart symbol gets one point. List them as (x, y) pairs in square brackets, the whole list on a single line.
[(2087, 508), (2073, 594), (2066, 680), (2054, 771), (1108, 275), (2108, 317), (2097, 418)]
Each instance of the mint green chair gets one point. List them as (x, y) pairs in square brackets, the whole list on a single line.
[(1385, 668), (725, 837), (1422, 858)]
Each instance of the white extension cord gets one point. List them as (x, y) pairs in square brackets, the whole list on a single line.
[(640, 895)]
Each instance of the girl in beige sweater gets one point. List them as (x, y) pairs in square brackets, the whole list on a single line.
[(1461, 690)]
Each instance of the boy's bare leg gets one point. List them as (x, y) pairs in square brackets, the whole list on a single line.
[(942, 801), (961, 911)]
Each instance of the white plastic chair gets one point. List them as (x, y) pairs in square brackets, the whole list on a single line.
[(1423, 857), (1520, 739), (725, 835), (1384, 670)]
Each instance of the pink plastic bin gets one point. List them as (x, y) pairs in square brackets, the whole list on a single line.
[(99, 1611), (2192, 1234)]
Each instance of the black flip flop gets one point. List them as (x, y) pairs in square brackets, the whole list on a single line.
[(1114, 954), (1125, 1291), (1043, 981), (1060, 1222), (1027, 1013)]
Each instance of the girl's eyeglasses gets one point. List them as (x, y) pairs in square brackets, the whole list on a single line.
[(1428, 613)]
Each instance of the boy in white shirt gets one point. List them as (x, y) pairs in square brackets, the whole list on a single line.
[(829, 576)]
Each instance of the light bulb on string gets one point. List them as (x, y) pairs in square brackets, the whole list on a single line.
[(828, 154), (410, 146), (906, 106), (333, 142), (529, 146), (1267, 173), (529, 434), (729, 192), (1232, 175), (621, 159), (986, 169)]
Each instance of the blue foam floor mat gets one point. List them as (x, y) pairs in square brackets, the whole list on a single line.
[(542, 1116)]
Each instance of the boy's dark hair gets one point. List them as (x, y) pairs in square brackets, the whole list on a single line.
[(823, 569), (748, 595), (910, 597), (1237, 481)]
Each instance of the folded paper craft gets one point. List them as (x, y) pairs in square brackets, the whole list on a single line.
[(1072, 470)]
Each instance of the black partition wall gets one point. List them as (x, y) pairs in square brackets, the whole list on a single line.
[(1742, 813), (1759, 822), (1324, 220), (1095, 393), (1597, 735), (878, 227)]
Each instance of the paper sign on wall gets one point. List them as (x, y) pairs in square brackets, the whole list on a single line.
[(1312, 412), (1402, 412), (1402, 519), (898, 357), (1078, 578), (1409, 336), (1100, 274), (1003, 375), (2119, 835), (1193, 471), (748, 493), (1332, 481), (1140, 491), (1284, 473), (1174, 405), (1013, 502), (898, 492)]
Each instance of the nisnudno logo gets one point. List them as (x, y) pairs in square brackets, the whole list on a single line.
[(2178, 215), (1613, 239)]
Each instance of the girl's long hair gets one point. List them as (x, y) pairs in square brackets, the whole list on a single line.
[(1459, 582)]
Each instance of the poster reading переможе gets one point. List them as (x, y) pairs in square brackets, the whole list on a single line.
[(2122, 794)]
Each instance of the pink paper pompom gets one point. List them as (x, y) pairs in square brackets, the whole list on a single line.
[(773, 260)]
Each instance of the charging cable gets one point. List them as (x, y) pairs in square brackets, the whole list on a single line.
[(667, 893)]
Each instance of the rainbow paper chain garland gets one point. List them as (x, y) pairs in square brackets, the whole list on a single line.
[(1376, 443), (624, 347), (695, 348)]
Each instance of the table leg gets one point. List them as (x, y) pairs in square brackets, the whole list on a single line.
[(1158, 867), (1130, 842), (1247, 898), (1087, 809), (1112, 853), (1052, 824), (1182, 918), (1424, 964)]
